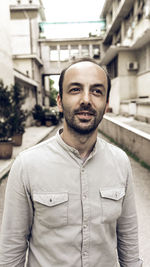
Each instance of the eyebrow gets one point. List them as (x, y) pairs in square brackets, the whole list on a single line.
[(74, 84), (93, 85), (98, 85)]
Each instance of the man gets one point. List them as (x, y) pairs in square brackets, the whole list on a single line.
[(70, 198)]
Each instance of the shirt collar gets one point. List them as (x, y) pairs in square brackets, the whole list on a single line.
[(72, 150)]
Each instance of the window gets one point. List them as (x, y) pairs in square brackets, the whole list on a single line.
[(74, 51), (113, 67), (53, 53), (64, 53), (96, 52), (129, 19), (117, 37), (85, 50), (140, 9)]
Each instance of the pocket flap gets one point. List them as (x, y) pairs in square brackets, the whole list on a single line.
[(115, 193), (50, 199)]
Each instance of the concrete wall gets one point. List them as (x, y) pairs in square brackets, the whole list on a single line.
[(6, 66), (20, 36), (25, 46), (24, 66), (143, 84), (124, 86), (127, 78), (114, 101), (134, 140)]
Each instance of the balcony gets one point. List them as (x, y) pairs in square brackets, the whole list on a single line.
[(123, 10)]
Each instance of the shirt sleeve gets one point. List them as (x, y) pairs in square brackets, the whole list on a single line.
[(127, 228), (17, 219)]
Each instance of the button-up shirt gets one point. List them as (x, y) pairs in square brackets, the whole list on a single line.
[(69, 212)]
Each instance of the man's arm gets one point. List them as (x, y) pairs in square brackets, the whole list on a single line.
[(17, 219), (127, 229)]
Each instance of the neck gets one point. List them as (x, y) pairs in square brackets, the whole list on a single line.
[(83, 143)]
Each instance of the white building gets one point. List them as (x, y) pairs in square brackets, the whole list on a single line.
[(6, 66), (126, 52), (25, 17)]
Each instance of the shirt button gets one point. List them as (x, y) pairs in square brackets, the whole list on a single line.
[(84, 226), (85, 254), (84, 196)]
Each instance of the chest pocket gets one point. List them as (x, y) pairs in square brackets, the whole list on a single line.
[(111, 202), (51, 209)]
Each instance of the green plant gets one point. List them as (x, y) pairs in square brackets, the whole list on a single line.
[(38, 113), (18, 116), (51, 114), (53, 94), (5, 112)]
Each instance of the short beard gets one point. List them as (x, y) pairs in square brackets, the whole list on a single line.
[(74, 127)]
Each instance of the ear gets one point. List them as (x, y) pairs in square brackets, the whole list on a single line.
[(59, 103), (107, 107)]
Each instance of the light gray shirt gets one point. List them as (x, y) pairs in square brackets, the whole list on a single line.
[(70, 213)]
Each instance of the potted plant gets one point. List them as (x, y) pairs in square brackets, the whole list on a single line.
[(51, 116), (18, 116), (6, 146), (54, 116), (48, 117), (38, 115)]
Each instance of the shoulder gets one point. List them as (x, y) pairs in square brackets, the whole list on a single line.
[(112, 152), (36, 154)]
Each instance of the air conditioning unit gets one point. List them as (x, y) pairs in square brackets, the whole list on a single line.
[(132, 65)]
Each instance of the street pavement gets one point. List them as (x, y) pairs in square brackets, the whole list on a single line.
[(141, 178)]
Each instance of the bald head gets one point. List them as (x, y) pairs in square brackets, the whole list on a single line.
[(83, 63)]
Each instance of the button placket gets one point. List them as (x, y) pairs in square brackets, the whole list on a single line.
[(85, 222)]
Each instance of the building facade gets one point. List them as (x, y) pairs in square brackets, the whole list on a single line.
[(25, 16), (6, 65), (126, 52)]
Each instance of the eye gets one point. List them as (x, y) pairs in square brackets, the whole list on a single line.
[(97, 92), (74, 90)]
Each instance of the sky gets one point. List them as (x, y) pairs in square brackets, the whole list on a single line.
[(72, 11)]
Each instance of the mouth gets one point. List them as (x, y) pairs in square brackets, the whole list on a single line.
[(84, 115)]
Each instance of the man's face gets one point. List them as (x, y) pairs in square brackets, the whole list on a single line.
[(84, 97)]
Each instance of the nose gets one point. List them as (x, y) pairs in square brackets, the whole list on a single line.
[(85, 97)]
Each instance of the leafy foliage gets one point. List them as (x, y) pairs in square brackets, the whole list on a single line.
[(12, 116), (18, 116), (53, 94), (45, 114), (5, 112), (38, 113)]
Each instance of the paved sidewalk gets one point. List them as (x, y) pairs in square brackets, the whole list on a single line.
[(31, 137)]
